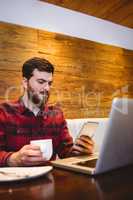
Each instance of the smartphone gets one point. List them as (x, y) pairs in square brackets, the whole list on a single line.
[(89, 129)]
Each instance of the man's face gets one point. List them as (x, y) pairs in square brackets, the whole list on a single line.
[(38, 87)]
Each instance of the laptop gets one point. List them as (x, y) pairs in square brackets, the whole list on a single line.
[(117, 146)]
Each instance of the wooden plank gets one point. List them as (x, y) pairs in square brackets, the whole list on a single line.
[(10, 85)]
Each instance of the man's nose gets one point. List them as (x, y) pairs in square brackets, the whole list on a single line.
[(46, 86)]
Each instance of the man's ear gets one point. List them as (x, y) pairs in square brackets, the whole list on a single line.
[(25, 83)]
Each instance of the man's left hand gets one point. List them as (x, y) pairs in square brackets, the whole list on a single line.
[(83, 145)]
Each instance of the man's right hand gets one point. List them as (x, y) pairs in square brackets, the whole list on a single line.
[(28, 155)]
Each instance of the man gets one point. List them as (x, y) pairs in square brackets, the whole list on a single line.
[(30, 118)]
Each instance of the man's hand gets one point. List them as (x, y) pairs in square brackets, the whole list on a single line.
[(83, 145), (28, 155)]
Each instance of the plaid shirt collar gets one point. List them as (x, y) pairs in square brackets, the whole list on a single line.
[(21, 108)]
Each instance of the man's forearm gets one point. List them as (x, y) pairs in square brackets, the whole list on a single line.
[(4, 157)]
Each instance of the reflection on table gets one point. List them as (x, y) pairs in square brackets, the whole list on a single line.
[(66, 185)]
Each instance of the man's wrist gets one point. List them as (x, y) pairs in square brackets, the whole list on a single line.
[(12, 161)]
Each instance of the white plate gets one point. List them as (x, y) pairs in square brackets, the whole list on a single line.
[(20, 173)]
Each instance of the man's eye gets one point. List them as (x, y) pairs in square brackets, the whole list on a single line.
[(44, 82), (41, 82), (50, 83)]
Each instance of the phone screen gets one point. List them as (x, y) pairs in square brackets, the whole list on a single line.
[(88, 129)]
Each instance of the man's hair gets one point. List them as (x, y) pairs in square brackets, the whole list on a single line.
[(40, 64)]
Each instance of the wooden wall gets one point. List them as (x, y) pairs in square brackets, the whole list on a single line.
[(88, 75)]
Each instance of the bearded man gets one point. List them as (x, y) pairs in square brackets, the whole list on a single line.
[(31, 118)]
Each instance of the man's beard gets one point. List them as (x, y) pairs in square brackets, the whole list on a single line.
[(38, 99)]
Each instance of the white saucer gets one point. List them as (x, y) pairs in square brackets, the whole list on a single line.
[(20, 173)]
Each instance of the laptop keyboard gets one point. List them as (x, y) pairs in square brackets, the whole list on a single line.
[(87, 163)]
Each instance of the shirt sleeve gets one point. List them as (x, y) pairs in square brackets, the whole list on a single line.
[(66, 141), (3, 153)]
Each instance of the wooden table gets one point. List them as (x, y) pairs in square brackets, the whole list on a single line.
[(65, 185)]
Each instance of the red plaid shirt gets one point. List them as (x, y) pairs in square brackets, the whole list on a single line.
[(18, 125)]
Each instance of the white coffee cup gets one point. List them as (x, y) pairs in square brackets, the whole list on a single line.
[(46, 147)]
